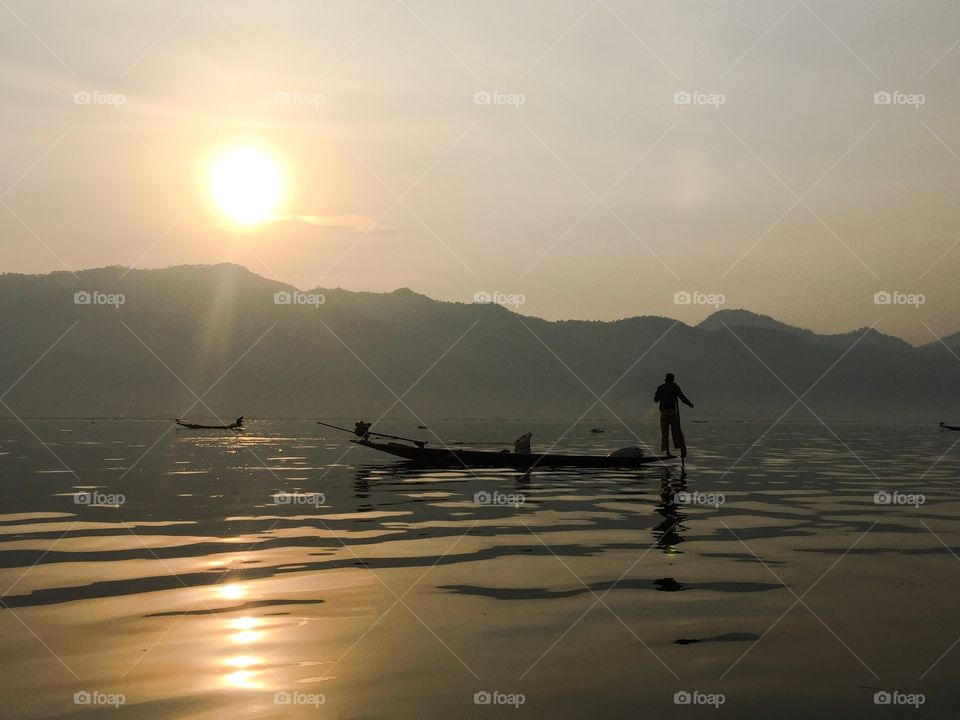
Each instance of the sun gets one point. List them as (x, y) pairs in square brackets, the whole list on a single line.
[(246, 184)]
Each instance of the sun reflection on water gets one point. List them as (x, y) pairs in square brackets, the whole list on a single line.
[(246, 630), (243, 677), (243, 661), (232, 591), (243, 680)]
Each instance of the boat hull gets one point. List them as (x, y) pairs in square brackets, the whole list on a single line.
[(195, 426), (459, 457)]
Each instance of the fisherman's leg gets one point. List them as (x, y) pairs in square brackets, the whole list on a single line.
[(664, 432)]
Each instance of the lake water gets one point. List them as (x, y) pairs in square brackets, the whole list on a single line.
[(153, 572)]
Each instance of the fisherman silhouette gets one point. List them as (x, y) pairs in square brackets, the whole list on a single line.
[(667, 395)]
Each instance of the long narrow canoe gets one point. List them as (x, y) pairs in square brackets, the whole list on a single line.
[(949, 427), (197, 426), (458, 457)]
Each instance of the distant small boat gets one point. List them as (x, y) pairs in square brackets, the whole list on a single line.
[(422, 427), (950, 427), (236, 425), (597, 430), (698, 421)]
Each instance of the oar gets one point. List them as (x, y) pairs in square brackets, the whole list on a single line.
[(683, 450), (418, 443)]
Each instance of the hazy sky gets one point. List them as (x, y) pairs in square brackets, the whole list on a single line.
[(584, 184)]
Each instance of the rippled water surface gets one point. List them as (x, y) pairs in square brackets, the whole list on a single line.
[(285, 573)]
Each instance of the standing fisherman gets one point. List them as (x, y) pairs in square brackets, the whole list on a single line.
[(667, 395)]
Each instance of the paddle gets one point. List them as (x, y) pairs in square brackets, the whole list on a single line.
[(683, 450), (418, 443)]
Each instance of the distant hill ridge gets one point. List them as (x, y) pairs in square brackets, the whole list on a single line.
[(745, 318), (224, 331)]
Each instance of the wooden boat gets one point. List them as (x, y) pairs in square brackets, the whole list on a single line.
[(949, 427), (460, 457), (236, 425)]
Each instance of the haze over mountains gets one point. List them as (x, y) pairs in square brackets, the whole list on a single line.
[(219, 332)]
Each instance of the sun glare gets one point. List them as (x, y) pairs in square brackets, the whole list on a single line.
[(247, 185), (232, 591)]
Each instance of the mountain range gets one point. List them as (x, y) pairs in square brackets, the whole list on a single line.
[(120, 342)]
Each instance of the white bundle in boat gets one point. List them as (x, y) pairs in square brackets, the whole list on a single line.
[(631, 451)]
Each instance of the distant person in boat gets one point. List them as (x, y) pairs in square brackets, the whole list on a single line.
[(667, 395), (238, 423), (361, 428)]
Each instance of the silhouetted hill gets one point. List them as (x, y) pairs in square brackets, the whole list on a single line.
[(944, 345), (217, 331), (737, 318)]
